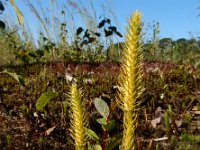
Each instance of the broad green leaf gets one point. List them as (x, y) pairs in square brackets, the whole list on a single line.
[(106, 126), (102, 121), (18, 78), (44, 99), (102, 107), (91, 134)]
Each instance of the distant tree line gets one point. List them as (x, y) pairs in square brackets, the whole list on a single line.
[(166, 50)]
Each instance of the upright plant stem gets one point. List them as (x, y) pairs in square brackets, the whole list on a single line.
[(78, 118), (130, 81)]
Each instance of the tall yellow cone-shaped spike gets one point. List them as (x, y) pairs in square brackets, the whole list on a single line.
[(78, 118), (130, 80)]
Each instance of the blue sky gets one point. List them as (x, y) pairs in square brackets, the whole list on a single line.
[(177, 18)]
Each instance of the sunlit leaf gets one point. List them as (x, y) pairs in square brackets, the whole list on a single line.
[(18, 78), (102, 107), (95, 147), (91, 134), (101, 121), (44, 99)]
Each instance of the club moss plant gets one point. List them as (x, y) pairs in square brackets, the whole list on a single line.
[(130, 80), (130, 90), (78, 118)]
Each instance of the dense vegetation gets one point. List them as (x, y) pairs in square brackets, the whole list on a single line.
[(36, 83)]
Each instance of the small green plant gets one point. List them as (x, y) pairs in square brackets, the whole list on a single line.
[(190, 137), (107, 124), (24, 109), (168, 115), (130, 91)]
